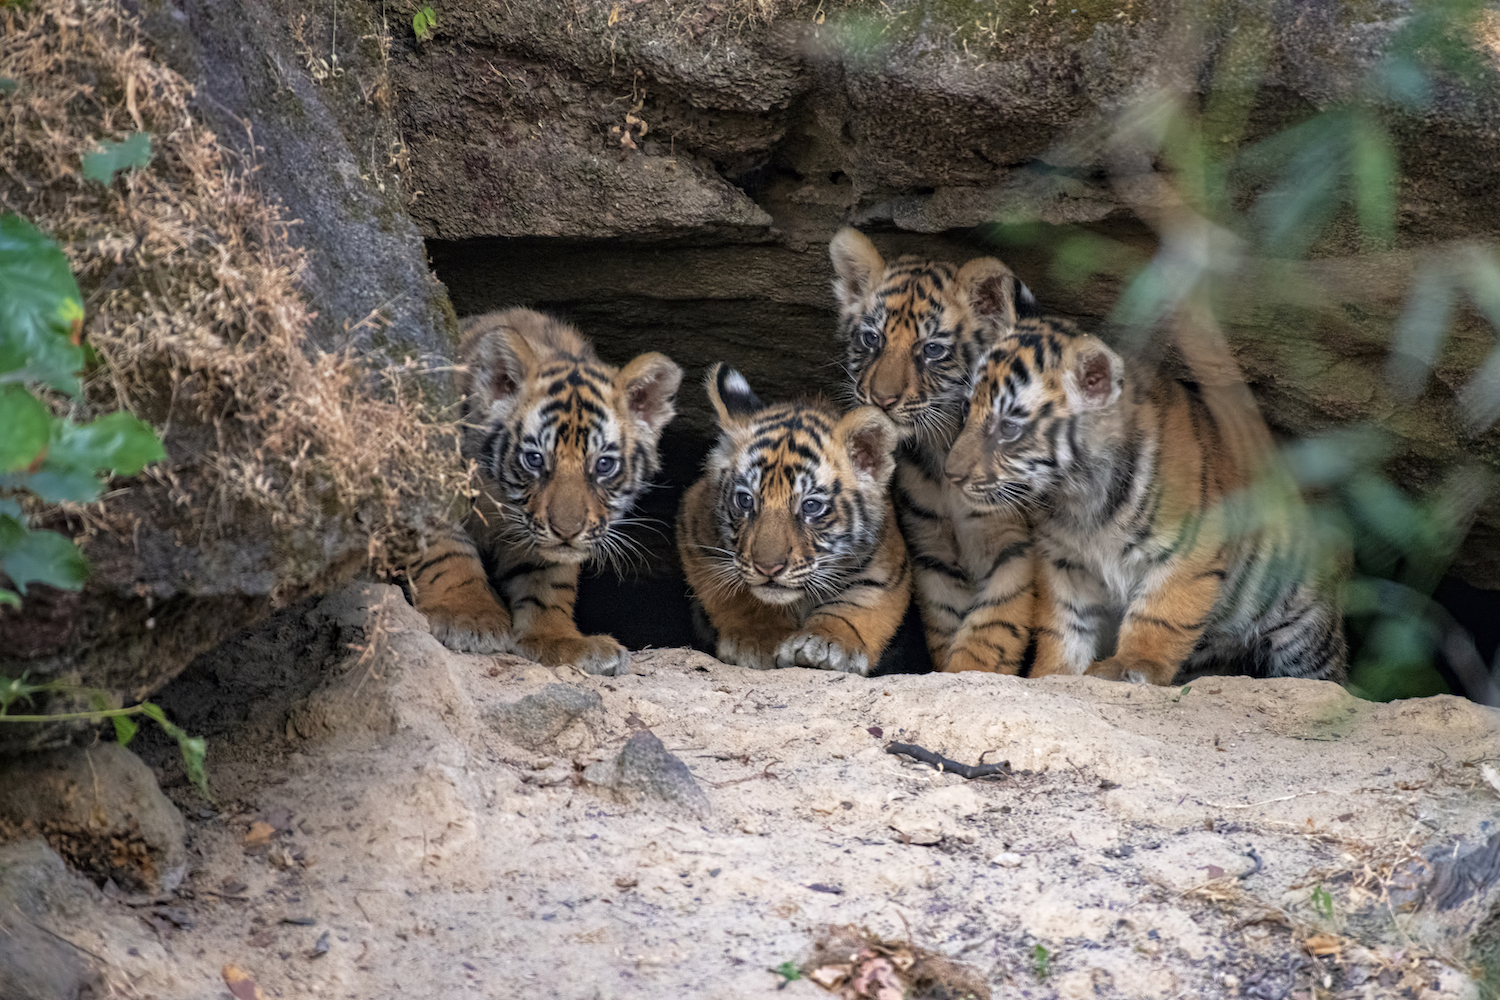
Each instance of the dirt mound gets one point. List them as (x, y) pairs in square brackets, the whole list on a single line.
[(1239, 838)]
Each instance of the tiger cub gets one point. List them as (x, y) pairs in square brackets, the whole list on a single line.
[(1146, 503), (788, 540), (564, 445), (914, 330)]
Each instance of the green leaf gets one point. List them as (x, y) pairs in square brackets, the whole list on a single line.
[(194, 749), (116, 443), (27, 423), (788, 971), (132, 154), (125, 729), (423, 22), (41, 311), (7, 85), (1374, 170), (39, 557)]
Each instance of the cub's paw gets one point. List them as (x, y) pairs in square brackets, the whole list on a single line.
[(744, 654), (470, 630), (1116, 669), (808, 649), (593, 654)]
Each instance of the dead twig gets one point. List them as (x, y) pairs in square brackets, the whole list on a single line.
[(764, 773), (944, 764)]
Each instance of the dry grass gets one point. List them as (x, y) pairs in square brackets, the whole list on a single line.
[(193, 302)]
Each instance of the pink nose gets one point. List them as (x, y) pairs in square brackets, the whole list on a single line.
[(886, 402), (765, 570)]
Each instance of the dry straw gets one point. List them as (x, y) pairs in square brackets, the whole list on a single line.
[(192, 292)]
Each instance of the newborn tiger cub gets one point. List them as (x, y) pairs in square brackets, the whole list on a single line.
[(788, 540), (564, 445), (1143, 505), (914, 329)]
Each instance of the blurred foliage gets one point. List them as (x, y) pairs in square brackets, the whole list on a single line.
[(49, 457), (55, 459), (1238, 217)]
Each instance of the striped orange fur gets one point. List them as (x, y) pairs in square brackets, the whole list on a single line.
[(789, 541), (1149, 508), (565, 444), (914, 329)]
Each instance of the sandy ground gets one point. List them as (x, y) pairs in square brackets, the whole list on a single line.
[(431, 857)]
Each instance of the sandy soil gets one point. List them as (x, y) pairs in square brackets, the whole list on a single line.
[(432, 857)]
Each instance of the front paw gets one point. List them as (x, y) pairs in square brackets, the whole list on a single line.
[(746, 654), (593, 654), (470, 630), (808, 649), (1116, 669)]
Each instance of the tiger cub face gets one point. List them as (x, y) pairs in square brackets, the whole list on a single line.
[(565, 442), (914, 329), (1038, 398), (800, 492)]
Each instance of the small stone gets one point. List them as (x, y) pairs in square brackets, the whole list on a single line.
[(538, 718), (1005, 859), (645, 769), (36, 889)]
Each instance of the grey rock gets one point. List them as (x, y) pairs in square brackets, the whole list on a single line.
[(39, 895), (536, 719), (644, 769), (90, 795)]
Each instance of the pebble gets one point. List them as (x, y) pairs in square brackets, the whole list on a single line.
[(1005, 859)]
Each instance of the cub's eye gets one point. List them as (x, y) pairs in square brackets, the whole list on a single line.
[(605, 465), (814, 508), (1010, 428), (870, 338), (933, 351), (533, 460), (963, 412), (744, 500)]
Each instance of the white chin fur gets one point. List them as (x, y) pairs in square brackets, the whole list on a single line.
[(776, 595), (565, 554)]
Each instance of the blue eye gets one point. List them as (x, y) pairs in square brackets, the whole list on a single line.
[(870, 338), (934, 351), (533, 460), (744, 500), (814, 508), (1010, 428), (605, 466)]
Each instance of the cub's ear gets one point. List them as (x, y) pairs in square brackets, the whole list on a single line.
[(994, 293), (496, 359), (649, 384), (1096, 376), (734, 401), (869, 437), (857, 267)]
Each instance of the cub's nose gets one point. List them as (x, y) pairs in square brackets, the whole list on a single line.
[(769, 570), (886, 402), (957, 477)]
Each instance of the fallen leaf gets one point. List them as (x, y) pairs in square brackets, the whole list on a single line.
[(829, 976), (1214, 871), (627, 882), (1322, 944), (877, 980), (321, 948), (261, 832), (825, 887), (876, 731), (241, 983)]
